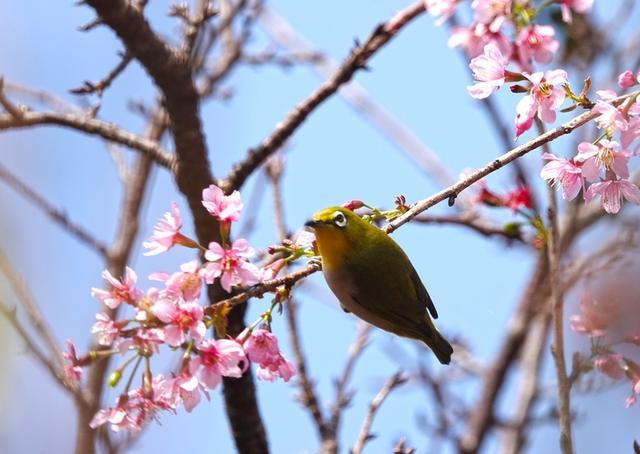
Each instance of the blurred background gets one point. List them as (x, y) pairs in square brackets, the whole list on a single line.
[(336, 155)]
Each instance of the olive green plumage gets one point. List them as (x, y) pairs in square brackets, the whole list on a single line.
[(373, 278)]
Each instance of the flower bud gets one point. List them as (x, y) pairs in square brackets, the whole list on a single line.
[(627, 79), (353, 204)]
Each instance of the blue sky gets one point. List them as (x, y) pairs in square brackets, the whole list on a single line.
[(333, 157)]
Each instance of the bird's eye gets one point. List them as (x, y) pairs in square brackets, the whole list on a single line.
[(339, 219)]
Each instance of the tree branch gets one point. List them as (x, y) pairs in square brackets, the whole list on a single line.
[(91, 126), (365, 432), (358, 59), (449, 193), (58, 216)]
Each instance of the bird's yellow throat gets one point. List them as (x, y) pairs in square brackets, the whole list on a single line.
[(333, 246)]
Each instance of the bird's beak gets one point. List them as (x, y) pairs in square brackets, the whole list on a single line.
[(313, 224)]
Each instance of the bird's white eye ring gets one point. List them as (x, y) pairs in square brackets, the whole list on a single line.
[(339, 219)]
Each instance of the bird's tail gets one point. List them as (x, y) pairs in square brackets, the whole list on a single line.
[(440, 346)]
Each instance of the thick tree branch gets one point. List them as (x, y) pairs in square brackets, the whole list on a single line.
[(91, 126), (172, 73), (358, 59)]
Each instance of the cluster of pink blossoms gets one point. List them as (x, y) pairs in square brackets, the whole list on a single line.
[(173, 315), (504, 34), (595, 319)]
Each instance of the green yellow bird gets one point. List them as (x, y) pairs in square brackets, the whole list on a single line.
[(374, 279)]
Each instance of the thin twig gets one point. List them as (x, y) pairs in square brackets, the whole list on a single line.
[(58, 216), (357, 96), (45, 361), (357, 60), (564, 387), (557, 312), (472, 223), (365, 431), (527, 393), (13, 110), (99, 87), (33, 311), (342, 396), (308, 396)]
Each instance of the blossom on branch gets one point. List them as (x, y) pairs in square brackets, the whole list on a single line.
[(602, 157), (181, 317), (185, 283), (217, 359), (262, 348), (564, 173), (166, 232), (220, 206), (545, 95), (612, 193), (489, 70), (230, 265), (122, 291), (595, 318), (536, 43)]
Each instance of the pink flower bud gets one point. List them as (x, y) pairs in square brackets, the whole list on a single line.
[(353, 204), (627, 79)]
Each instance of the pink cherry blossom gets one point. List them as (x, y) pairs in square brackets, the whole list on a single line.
[(72, 368), (536, 43), (166, 232), (474, 39), (122, 291), (222, 207), (185, 283), (281, 368), (105, 329), (601, 157), (580, 6), (184, 389), (610, 364), (230, 265), (546, 95), (145, 340), (441, 9), (117, 417), (262, 347), (493, 13), (612, 192), (217, 359), (181, 317), (563, 172), (595, 318), (632, 133), (627, 79), (489, 70), (611, 118)]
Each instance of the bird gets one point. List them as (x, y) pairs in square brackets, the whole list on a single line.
[(373, 278)]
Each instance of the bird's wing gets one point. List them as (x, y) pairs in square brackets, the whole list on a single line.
[(421, 292)]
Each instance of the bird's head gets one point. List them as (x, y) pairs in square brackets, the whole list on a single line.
[(338, 231)]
